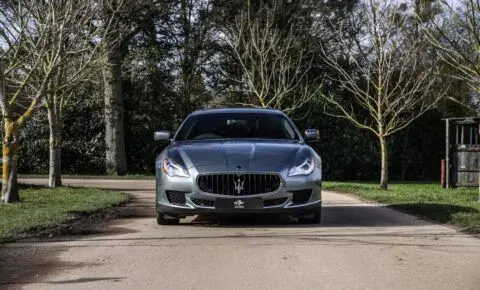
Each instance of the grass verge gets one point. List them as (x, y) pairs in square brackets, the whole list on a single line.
[(458, 207), (42, 208), (115, 177)]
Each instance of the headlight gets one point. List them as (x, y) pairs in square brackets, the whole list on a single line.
[(171, 168), (305, 168)]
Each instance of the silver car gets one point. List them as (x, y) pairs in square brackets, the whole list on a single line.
[(238, 161)]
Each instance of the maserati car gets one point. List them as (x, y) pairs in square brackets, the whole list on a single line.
[(238, 161)]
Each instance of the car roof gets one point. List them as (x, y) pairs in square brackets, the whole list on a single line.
[(236, 110)]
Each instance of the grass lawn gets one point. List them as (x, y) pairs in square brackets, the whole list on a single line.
[(458, 207), (120, 177), (44, 207)]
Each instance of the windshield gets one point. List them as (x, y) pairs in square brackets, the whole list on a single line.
[(237, 126)]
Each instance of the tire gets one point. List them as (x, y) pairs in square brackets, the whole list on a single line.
[(161, 220), (315, 219)]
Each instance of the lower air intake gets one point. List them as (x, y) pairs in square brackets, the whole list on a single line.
[(203, 202), (301, 196), (176, 197), (274, 202)]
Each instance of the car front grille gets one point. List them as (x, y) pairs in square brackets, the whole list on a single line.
[(239, 184)]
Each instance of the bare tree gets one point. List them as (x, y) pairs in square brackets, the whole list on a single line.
[(82, 54), (38, 38), (24, 38), (457, 39), (273, 60), (384, 69)]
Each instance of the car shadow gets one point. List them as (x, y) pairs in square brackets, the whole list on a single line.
[(332, 216)]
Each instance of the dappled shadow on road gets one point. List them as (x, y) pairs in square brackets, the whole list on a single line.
[(441, 212), (368, 216), (333, 216), (30, 264), (436, 242), (134, 210), (87, 280), (81, 224), (24, 262)]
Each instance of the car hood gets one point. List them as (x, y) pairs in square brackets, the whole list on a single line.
[(238, 156)]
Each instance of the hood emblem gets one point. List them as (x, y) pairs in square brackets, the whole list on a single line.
[(238, 184)]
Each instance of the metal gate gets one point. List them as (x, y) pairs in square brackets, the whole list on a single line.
[(463, 152)]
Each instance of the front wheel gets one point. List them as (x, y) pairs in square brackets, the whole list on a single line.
[(161, 220), (314, 217)]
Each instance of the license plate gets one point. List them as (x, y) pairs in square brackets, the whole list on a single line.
[(238, 203)]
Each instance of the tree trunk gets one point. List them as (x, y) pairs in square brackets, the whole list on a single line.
[(55, 154), (403, 172), (116, 162), (384, 163), (9, 167), (185, 65)]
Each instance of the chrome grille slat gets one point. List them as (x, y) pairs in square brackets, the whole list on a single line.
[(230, 184)]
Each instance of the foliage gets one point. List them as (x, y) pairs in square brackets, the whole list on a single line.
[(172, 65), (274, 57), (83, 141), (458, 207), (457, 39), (47, 50)]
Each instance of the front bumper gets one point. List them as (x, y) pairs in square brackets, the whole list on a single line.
[(192, 201), (182, 212)]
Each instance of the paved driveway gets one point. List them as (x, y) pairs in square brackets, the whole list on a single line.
[(358, 246)]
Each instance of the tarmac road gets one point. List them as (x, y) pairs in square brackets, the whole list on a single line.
[(358, 246)]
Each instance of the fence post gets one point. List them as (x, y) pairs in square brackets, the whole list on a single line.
[(443, 175)]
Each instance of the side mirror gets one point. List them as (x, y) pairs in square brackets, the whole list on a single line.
[(161, 135), (312, 135)]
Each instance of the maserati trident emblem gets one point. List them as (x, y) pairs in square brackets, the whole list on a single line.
[(238, 203), (238, 184)]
